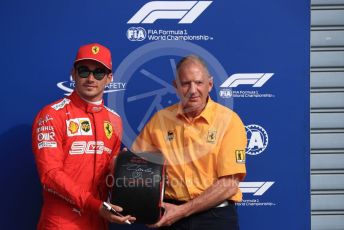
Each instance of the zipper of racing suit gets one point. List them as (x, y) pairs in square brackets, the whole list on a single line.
[(95, 149), (94, 164)]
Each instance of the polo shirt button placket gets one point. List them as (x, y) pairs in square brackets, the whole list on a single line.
[(188, 174)]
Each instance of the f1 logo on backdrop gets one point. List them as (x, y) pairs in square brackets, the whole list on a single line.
[(255, 79), (257, 188), (186, 11)]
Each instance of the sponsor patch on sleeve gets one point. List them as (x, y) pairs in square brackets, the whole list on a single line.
[(240, 156), (44, 120), (47, 144), (61, 104)]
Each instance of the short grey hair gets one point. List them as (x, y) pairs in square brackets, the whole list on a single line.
[(193, 58)]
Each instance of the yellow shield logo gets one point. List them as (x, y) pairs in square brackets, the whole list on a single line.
[(240, 156), (95, 49), (108, 129), (211, 136)]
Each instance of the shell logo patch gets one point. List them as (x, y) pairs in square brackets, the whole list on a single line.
[(79, 127), (73, 127), (108, 129), (211, 136), (240, 156), (95, 49)]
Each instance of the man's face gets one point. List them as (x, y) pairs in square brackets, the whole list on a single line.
[(193, 85), (90, 88)]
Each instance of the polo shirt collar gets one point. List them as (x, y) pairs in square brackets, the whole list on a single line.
[(207, 113)]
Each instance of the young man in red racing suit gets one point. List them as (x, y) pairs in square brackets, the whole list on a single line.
[(74, 140)]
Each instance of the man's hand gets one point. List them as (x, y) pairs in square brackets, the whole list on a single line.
[(221, 190), (172, 214), (114, 218)]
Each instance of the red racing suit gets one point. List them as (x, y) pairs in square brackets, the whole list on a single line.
[(74, 142)]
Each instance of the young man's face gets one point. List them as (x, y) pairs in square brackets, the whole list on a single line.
[(89, 87), (193, 85)]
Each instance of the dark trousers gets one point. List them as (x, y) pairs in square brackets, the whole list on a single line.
[(225, 218)]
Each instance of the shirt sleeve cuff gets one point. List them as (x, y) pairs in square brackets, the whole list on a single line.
[(93, 204)]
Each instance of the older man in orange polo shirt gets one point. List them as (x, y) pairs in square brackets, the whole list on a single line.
[(204, 146)]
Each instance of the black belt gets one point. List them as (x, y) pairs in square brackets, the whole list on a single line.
[(176, 202), (180, 202)]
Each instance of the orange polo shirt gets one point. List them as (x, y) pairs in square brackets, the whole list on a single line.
[(197, 153)]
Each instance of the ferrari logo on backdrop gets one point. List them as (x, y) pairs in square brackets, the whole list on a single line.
[(95, 49), (108, 129), (211, 136)]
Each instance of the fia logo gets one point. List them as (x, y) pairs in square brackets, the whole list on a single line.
[(136, 34), (258, 139), (186, 11), (226, 93)]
